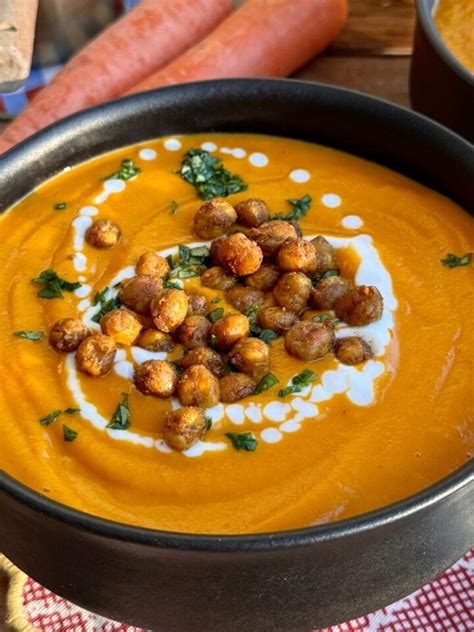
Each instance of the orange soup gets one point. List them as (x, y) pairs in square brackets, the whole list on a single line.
[(320, 440), (455, 22)]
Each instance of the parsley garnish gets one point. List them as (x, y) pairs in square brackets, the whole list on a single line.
[(213, 341), (319, 277), (216, 314), (68, 433), (100, 297), (54, 286), (243, 441), (71, 411), (251, 313), (48, 420), (191, 262), (60, 206), (127, 171), (267, 335), (208, 423), (299, 208), (105, 306), (174, 207), (452, 261), (298, 382), (121, 417), (265, 383), (172, 285), (207, 174), (29, 335), (216, 299), (321, 318)]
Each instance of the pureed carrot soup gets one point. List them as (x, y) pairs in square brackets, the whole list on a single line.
[(455, 20), (320, 377)]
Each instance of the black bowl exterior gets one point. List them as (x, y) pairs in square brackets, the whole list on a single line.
[(290, 581), (440, 86)]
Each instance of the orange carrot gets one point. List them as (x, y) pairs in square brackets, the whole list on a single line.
[(141, 42), (262, 38)]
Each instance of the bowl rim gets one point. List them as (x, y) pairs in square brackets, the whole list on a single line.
[(425, 13), (265, 541)]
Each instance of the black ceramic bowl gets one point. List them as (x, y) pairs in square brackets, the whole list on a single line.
[(440, 86), (290, 581)]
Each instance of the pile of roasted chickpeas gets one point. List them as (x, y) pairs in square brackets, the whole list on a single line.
[(267, 267)]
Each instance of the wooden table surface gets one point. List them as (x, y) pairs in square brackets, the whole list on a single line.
[(372, 55)]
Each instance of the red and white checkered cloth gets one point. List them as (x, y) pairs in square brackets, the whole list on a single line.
[(445, 605)]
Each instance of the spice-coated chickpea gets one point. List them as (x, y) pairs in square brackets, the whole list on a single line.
[(212, 360), (360, 306), (215, 250), (214, 218), (67, 334), (236, 386), (251, 356), (194, 331), (264, 279), (156, 377), (197, 304), (183, 427), (292, 291), (95, 355), (169, 309), (218, 279), (352, 350), (252, 212), (136, 293), (244, 298), (239, 255), (198, 387), (297, 255), (271, 235), (325, 255), (310, 341), (328, 291), (154, 340), (229, 329), (123, 326), (277, 319), (152, 264), (103, 233)]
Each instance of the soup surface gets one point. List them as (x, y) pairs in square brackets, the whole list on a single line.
[(353, 439), (455, 22)]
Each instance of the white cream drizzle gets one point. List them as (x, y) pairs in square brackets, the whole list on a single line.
[(331, 200), (147, 154), (352, 221), (110, 186), (300, 175), (257, 159)]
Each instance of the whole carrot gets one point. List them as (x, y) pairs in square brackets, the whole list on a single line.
[(141, 42), (262, 38)]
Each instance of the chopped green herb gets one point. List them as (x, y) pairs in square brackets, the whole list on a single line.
[(128, 170), (298, 382), (169, 259), (265, 383), (207, 174), (69, 434), (60, 206), (208, 423), (174, 207), (172, 285), (100, 297), (452, 261), (54, 285), (72, 411), (179, 369), (243, 441), (299, 208), (121, 417), (108, 306), (320, 318), (118, 284), (29, 335), (213, 341), (191, 262), (216, 299), (251, 313), (48, 420), (267, 335), (216, 314), (319, 277)]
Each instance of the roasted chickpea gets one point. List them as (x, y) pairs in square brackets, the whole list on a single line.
[(292, 291), (352, 350), (197, 304), (264, 279), (123, 326), (277, 319), (103, 233), (214, 218), (229, 329), (271, 235), (310, 341), (136, 293), (325, 255), (252, 212), (297, 255), (183, 427), (218, 279), (328, 291), (251, 356), (95, 355), (236, 386), (194, 332), (198, 387), (239, 255), (243, 298), (153, 340), (156, 377), (215, 362), (67, 334), (360, 306), (152, 264), (215, 249), (169, 309)]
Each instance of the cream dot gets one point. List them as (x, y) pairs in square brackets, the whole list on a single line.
[(225, 150), (331, 200), (239, 152), (172, 144), (271, 435), (209, 146), (147, 154), (258, 160), (352, 221), (300, 175), (88, 210)]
